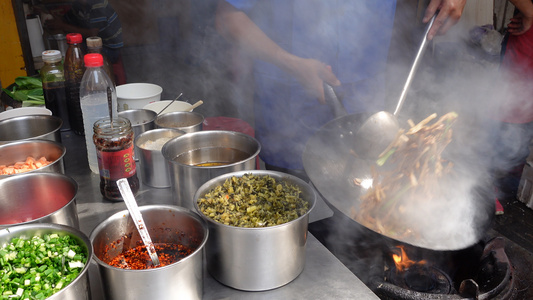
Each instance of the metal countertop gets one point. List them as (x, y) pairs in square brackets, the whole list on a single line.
[(324, 276)]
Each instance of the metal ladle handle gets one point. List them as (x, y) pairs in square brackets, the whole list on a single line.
[(419, 55), (135, 213)]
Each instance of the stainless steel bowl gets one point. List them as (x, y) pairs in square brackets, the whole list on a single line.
[(141, 119), (154, 169), (78, 289), (30, 127), (235, 151), (257, 259), (166, 224), (38, 198), (18, 152), (187, 121)]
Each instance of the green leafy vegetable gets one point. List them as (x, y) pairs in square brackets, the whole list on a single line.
[(253, 201), (28, 90)]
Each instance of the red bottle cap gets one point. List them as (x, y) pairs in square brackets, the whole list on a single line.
[(93, 60), (74, 38)]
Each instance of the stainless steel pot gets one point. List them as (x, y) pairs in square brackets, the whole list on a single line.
[(141, 119), (78, 289), (154, 167), (38, 198), (187, 121), (30, 127), (234, 151), (166, 224), (257, 259), (19, 151)]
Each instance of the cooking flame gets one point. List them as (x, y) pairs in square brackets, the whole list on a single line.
[(403, 262)]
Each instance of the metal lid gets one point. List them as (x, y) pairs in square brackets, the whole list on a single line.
[(51, 56)]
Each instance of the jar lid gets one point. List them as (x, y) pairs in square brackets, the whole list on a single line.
[(74, 38), (93, 60), (94, 42), (51, 56)]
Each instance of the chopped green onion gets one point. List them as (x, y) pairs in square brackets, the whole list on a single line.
[(35, 268)]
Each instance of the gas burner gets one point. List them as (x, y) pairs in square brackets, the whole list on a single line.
[(490, 279), (421, 278)]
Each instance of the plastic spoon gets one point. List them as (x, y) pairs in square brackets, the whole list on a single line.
[(195, 105), (137, 217)]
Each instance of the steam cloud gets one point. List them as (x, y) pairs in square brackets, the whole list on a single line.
[(454, 76)]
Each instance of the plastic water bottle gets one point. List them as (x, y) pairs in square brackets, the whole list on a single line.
[(93, 99)]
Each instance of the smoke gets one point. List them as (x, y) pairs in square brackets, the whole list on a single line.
[(454, 76)]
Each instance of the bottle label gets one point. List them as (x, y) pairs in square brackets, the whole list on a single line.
[(116, 164)]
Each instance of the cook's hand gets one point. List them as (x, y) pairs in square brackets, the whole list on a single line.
[(311, 74), (519, 24), (450, 12)]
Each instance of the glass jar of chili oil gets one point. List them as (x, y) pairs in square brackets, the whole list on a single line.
[(114, 150)]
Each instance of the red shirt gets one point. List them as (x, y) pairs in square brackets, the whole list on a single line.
[(517, 67)]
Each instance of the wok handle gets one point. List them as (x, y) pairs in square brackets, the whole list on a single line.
[(334, 101)]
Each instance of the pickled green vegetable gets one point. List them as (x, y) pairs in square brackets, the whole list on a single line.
[(38, 267), (253, 201)]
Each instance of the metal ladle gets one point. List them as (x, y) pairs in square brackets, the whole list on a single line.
[(380, 129), (135, 213)]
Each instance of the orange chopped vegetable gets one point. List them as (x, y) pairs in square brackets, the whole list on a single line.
[(24, 166)]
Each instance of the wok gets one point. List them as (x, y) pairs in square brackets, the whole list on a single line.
[(332, 164)]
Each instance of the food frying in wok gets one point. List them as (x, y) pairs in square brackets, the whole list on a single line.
[(407, 174)]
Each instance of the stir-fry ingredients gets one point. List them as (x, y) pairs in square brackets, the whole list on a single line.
[(409, 172), (138, 258), (24, 166), (28, 90), (38, 267), (253, 201)]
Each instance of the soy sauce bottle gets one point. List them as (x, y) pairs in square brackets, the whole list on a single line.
[(113, 139), (53, 78), (74, 69)]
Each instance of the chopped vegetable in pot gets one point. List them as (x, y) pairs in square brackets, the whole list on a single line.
[(37, 268), (253, 201)]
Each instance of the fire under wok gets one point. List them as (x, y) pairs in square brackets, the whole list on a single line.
[(453, 213)]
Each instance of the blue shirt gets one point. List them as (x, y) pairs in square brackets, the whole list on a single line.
[(352, 36), (98, 14)]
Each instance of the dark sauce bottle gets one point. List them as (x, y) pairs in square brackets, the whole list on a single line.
[(114, 149), (53, 78), (74, 69)]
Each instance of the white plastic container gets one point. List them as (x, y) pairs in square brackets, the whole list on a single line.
[(157, 106), (93, 99), (24, 111), (137, 95)]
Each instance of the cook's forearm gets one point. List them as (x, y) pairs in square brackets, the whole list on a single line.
[(236, 26), (525, 7)]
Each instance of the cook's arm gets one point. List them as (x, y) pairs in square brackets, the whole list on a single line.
[(58, 23), (450, 12), (522, 22), (235, 26)]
